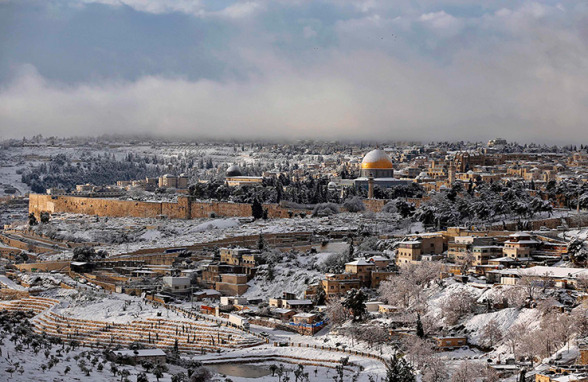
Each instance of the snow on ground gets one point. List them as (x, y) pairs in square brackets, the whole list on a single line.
[(286, 279), (217, 224), (122, 235), (439, 296), (581, 234), (8, 283), (505, 318), (32, 370), (292, 274), (100, 306)]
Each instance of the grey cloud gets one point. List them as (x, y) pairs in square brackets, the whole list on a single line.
[(515, 71)]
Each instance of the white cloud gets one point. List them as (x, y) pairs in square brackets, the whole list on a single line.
[(365, 95), (237, 10), (240, 10), (156, 6)]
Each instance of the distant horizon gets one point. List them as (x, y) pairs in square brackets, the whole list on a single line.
[(211, 139)]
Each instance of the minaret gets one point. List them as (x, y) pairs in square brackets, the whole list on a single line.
[(451, 174), (371, 186)]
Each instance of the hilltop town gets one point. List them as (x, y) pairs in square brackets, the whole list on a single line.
[(149, 259)]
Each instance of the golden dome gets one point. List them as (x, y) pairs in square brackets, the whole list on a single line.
[(376, 159)]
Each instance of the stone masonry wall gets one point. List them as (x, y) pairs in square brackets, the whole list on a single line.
[(184, 208)]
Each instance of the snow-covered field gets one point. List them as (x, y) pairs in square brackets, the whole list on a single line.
[(122, 235), (101, 306)]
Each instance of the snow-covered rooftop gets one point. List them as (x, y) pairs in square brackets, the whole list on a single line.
[(556, 272), (359, 262)]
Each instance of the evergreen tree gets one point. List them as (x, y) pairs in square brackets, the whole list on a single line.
[(321, 296), (45, 217), (350, 252), (256, 209), (420, 332), (279, 191), (399, 370), (355, 302), (32, 219), (260, 243)]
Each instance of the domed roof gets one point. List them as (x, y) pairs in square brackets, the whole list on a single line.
[(376, 159), (234, 170)]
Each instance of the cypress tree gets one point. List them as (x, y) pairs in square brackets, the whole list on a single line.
[(419, 327)]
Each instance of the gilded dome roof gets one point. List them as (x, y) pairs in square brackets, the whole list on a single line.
[(376, 159)]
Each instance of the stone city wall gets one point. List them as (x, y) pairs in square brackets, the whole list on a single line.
[(184, 208), (103, 207)]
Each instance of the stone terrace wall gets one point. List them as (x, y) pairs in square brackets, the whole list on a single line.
[(19, 244), (47, 266), (573, 221), (280, 240)]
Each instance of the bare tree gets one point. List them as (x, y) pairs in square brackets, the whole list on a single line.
[(457, 305), (515, 296), (418, 350), (565, 328), (434, 369), (529, 285), (530, 344), (406, 288), (548, 336), (582, 282), (546, 281), (465, 262), (491, 333), (546, 305), (430, 325), (373, 335), (336, 312), (489, 375), (397, 290), (514, 335), (467, 371), (427, 271), (580, 316)]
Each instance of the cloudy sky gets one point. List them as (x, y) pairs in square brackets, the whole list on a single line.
[(329, 69)]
